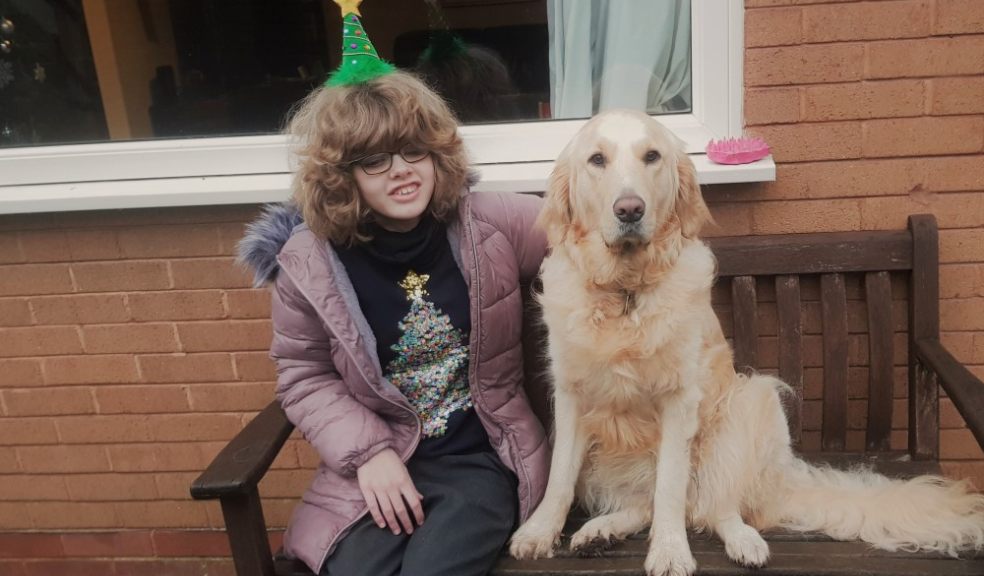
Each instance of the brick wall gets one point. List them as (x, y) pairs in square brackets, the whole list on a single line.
[(132, 348)]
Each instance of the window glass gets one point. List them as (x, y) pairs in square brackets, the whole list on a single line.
[(96, 70)]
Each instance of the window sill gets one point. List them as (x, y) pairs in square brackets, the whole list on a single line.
[(263, 188)]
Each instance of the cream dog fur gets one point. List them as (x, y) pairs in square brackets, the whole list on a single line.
[(653, 427)]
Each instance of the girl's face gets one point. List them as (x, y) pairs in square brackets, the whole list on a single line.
[(398, 196)]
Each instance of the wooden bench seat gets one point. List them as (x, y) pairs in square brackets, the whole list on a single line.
[(849, 320)]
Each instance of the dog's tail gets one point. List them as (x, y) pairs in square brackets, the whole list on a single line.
[(927, 513)]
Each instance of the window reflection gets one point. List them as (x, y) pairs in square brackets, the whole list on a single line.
[(96, 70)]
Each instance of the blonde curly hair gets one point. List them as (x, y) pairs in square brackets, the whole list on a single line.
[(333, 125)]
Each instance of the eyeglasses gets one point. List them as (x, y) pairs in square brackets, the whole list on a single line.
[(380, 162)]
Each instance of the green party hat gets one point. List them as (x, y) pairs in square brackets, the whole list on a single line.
[(360, 61)]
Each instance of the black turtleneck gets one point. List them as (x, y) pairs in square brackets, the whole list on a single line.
[(415, 299)]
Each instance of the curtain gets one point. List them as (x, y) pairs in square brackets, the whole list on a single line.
[(618, 54)]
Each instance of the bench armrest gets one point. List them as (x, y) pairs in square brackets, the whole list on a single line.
[(242, 463), (964, 389)]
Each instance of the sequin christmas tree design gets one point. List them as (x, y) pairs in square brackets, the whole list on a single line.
[(431, 361)]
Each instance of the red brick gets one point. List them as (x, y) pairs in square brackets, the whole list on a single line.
[(162, 514), (28, 431), (277, 511), (63, 458), (31, 488), (866, 21), (193, 427), (883, 99), (14, 516), (254, 367), (8, 461), (45, 246), (15, 312), (33, 279), (174, 485), (765, 3), (121, 276), (12, 568), (231, 397), (949, 415), (90, 369), (248, 303), (963, 314), (14, 545), (773, 27), (10, 248), (772, 106), (842, 179), (959, 445), (287, 458), (964, 470), (730, 219), (128, 543), (93, 245), (926, 57), (924, 136), (958, 17), (49, 401), (961, 245), (963, 95), (187, 368), (184, 543), (209, 273), (81, 309), (234, 336), (177, 305), (179, 457), (229, 236), (130, 338), (953, 174), (169, 241), (39, 341), (71, 515), (961, 280), (809, 142), (806, 216), (108, 429), (804, 64), (111, 487), (152, 399), (951, 210)]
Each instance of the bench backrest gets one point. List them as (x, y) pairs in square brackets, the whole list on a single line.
[(833, 315)]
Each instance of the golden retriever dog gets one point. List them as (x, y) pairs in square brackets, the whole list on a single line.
[(653, 427)]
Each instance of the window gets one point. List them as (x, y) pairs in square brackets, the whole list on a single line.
[(190, 93)]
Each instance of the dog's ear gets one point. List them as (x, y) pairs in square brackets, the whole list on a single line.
[(556, 215), (690, 207)]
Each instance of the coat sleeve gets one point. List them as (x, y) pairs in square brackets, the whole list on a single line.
[(343, 430), (529, 241)]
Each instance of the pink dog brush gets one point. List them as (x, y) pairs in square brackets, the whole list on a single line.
[(737, 150)]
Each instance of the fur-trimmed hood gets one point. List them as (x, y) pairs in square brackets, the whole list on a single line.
[(264, 238)]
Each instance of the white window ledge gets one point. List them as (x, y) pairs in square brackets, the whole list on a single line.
[(262, 188)]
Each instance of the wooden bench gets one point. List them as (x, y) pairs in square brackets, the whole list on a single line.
[(853, 306)]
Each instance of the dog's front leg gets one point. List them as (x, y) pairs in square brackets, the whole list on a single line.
[(540, 533), (669, 552)]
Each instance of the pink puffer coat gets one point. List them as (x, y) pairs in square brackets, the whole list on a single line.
[(331, 386)]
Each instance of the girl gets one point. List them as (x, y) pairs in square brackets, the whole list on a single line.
[(397, 324)]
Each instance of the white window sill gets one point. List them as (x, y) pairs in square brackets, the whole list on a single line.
[(263, 188)]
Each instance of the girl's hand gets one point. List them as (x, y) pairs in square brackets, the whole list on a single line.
[(388, 490)]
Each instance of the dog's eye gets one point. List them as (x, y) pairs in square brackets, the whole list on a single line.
[(652, 156), (597, 159)]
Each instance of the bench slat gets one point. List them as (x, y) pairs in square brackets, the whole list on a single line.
[(878, 292), (743, 303), (924, 319), (834, 312), (791, 350)]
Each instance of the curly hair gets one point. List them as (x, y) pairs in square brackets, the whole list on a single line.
[(335, 124)]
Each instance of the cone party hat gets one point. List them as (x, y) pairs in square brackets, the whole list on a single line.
[(360, 61)]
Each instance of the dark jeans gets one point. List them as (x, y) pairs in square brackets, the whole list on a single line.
[(470, 509)]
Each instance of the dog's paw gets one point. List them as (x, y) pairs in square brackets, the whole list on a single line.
[(596, 536), (669, 557), (747, 547), (532, 540)]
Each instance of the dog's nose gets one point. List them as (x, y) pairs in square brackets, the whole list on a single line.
[(629, 209)]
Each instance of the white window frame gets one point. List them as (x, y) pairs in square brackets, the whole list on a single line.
[(247, 169)]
